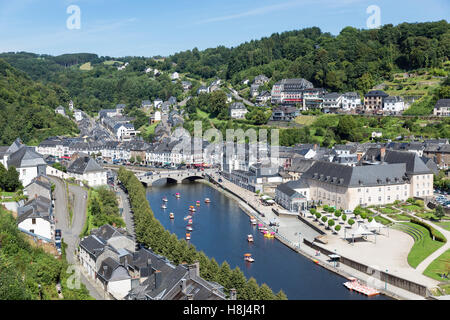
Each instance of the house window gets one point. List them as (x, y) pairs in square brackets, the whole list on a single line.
[(32, 230), (379, 198), (33, 221)]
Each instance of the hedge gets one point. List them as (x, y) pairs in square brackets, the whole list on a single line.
[(437, 235)]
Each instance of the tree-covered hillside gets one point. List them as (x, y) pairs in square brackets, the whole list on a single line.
[(353, 60), (27, 108)]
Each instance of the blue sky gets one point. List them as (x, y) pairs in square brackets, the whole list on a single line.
[(150, 27)]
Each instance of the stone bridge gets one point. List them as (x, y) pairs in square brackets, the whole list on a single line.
[(174, 176)]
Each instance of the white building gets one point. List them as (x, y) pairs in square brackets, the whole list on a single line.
[(175, 76), (78, 115), (332, 102), (237, 110), (87, 169), (393, 105), (350, 101), (26, 160), (36, 217), (442, 108), (60, 110)]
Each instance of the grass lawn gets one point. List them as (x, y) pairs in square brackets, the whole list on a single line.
[(399, 217), (382, 220), (439, 266), (423, 247), (444, 224), (305, 120), (412, 208), (86, 67), (388, 210), (111, 62)]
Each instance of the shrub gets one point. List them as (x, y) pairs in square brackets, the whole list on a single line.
[(313, 211), (337, 228), (331, 223), (437, 235), (351, 222), (318, 215), (370, 219), (324, 219)]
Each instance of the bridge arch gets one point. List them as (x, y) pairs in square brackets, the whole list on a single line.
[(191, 178)]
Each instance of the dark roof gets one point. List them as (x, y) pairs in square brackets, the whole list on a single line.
[(442, 103), (25, 157), (288, 190), (414, 165), (93, 244), (343, 175), (83, 165), (39, 207), (376, 93)]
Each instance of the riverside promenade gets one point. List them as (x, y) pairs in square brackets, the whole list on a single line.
[(292, 232)]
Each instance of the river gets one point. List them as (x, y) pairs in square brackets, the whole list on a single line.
[(220, 229)]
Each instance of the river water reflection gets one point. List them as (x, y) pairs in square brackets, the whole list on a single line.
[(220, 229)]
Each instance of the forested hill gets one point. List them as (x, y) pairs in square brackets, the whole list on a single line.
[(27, 108), (353, 60)]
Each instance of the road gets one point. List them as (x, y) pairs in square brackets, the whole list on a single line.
[(71, 232), (238, 97)]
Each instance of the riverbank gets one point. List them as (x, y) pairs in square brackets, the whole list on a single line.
[(285, 236)]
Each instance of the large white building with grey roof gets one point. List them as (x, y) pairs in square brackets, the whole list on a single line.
[(26, 160), (378, 179), (88, 170)]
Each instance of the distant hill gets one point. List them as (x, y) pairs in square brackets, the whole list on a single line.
[(27, 108)]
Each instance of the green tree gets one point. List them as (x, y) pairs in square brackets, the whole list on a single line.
[(337, 228), (264, 293), (12, 182)]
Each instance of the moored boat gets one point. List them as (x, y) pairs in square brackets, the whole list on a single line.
[(269, 235), (207, 200), (190, 221), (188, 236), (163, 206), (250, 238), (355, 285), (171, 215), (187, 217), (248, 257), (177, 195), (253, 220), (188, 228), (198, 203), (165, 199)]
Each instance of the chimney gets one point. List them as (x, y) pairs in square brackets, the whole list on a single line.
[(157, 278), (194, 270), (183, 286), (382, 153), (233, 295)]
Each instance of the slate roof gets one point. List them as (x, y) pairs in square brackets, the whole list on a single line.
[(414, 165), (84, 165), (25, 157), (347, 176), (288, 189), (93, 244), (39, 207), (376, 93), (442, 103)]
